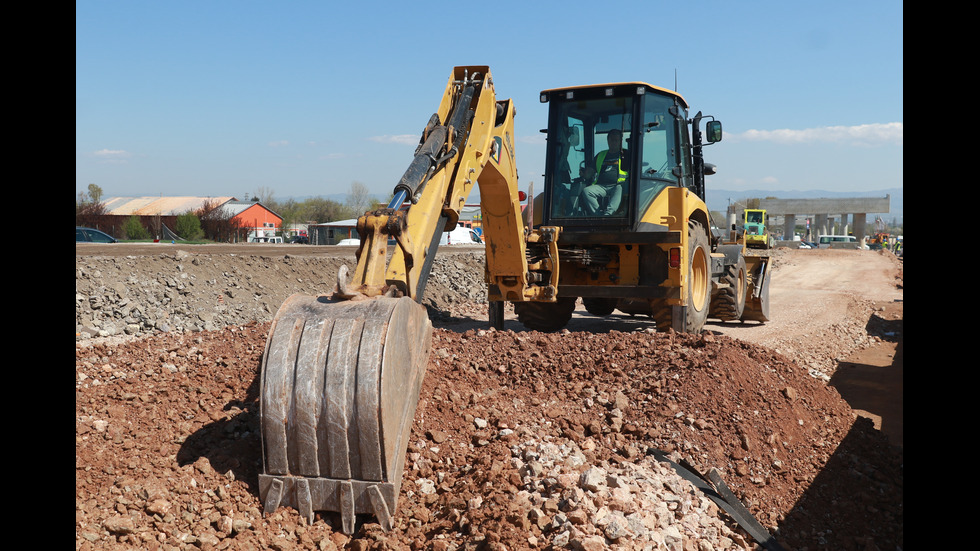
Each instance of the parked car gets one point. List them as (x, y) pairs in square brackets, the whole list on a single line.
[(350, 241), (277, 239), (300, 239), (825, 241), (461, 235), (90, 235)]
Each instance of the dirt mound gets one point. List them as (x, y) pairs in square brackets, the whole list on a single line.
[(168, 447), (522, 440)]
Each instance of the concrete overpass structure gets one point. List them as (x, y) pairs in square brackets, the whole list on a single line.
[(825, 211)]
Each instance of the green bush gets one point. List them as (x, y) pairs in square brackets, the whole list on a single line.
[(188, 226), (134, 229)]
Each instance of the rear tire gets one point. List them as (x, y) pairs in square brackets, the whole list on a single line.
[(699, 284), (729, 302), (545, 316)]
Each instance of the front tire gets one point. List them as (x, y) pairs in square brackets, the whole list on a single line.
[(729, 302)]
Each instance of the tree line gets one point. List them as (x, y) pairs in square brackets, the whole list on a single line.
[(212, 223)]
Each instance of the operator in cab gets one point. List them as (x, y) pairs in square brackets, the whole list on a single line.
[(608, 177)]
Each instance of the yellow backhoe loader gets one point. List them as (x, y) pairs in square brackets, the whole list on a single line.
[(621, 224)]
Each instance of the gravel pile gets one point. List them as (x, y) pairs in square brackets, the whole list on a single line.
[(183, 292), (642, 504)]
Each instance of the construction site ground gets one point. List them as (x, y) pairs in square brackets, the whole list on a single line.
[(521, 440)]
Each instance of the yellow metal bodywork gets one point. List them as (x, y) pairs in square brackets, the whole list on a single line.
[(756, 232), (487, 159), (665, 91), (674, 207)]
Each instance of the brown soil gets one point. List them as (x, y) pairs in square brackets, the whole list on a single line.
[(803, 420)]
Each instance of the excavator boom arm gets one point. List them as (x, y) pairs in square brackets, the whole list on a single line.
[(341, 374), (468, 140)]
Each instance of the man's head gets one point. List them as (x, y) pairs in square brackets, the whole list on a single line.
[(615, 140)]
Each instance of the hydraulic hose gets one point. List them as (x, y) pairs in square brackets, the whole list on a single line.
[(424, 161), (427, 157)]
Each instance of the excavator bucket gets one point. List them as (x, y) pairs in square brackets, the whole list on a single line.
[(339, 386), (757, 301)]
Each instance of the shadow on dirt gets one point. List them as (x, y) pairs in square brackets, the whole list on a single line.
[(581, 321), (864, 469), (232, 446), (890, 330), (872, 380), (868, 466)]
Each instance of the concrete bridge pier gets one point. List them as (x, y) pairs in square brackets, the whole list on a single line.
[(860, 226), (823, 223), (820, 224), (789, 226)]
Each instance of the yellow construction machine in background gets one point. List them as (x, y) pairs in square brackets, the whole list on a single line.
[(621, 224), (755, 224)]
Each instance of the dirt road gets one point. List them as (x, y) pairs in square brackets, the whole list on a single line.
[(512, 425), (817, 288), (840, 313)]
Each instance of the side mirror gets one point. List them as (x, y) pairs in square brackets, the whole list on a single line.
[(713, 131)]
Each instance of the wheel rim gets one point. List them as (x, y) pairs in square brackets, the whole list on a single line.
[(740, 289), (699, 279)]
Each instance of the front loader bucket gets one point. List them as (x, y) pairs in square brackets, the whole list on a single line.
[(339, 386), (757, 296)]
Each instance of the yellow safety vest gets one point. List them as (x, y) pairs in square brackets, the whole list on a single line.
[(619, 165)]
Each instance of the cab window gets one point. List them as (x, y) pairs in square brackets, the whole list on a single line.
[(659, 153), (583, 134)]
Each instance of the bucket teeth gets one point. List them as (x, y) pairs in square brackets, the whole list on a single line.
[(347, 506), (339, 387), (380, 507)]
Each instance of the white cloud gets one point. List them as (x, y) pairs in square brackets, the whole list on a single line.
[(403, 139), (112, 156), (533, 139), (863, 134), (112, 153), (279, 143)]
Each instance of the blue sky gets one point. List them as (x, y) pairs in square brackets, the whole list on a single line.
[(222, 98)]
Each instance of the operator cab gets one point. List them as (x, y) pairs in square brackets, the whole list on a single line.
[(590, 181)]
